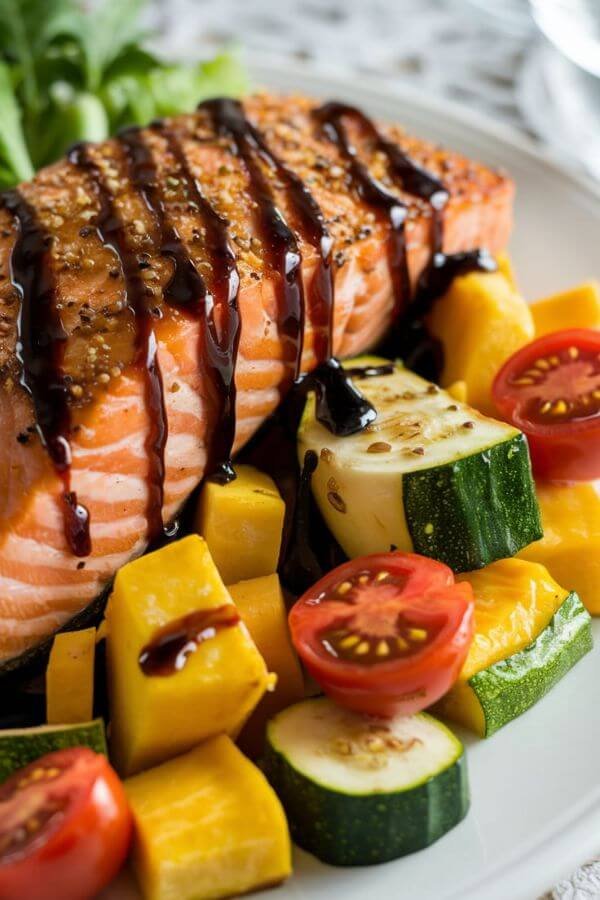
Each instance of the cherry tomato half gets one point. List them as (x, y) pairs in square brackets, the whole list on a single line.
[(550, 390), (65, 827), (385, 634)]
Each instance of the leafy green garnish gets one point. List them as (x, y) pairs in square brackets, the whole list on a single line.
[(68, 75)]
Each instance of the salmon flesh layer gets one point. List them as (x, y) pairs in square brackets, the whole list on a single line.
[(42, 582)]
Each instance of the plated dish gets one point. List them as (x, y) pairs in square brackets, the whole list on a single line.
[(461, 532)]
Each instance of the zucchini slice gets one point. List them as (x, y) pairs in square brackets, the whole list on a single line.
[(529, 632), (359, 791), (430, 475), (20, 746)]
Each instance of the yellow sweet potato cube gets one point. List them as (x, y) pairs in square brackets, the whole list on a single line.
[(207, 825), (481, 321), (458, 391), (156, 716), (570, 547), (505, 266), (579, 307), (262, 607), (242, 523), (70, 677)]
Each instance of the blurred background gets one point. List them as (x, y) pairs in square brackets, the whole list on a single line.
[(534, 65)]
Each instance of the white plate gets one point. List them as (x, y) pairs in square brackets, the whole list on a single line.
[(535, 785)]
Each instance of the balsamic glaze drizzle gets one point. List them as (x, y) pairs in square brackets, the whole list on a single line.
[(312, 225), (219, 345), (280, 242), (329, 116), (357, 373), (187, 289), (41, 344), (340, 406), (168, 651), (111, 232), (300, 566)]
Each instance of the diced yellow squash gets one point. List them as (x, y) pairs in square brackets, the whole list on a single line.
[(481, 321), (506, 267), (207, 825), (155, 716), (70, 678), (514, 602), (570, 548), (579, 307), (458, 391), (262, 607), (242, 523)]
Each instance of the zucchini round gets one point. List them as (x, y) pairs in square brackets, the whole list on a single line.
[(359, 791)]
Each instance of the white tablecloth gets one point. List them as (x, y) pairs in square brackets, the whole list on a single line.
[(469, 50)]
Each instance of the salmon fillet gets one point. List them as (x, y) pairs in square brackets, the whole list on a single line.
[(42, 583)]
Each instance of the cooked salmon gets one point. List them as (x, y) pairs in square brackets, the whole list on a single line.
[(82, 290)]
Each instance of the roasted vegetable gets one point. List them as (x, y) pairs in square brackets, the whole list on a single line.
[(570, 547), (505, 266), (70, 677), (207, 825), (262, 607), (430, 475), (20, 746), (529, 632), (182, 666), (481, 321), (242, 523), (358, 790), (579, 307)]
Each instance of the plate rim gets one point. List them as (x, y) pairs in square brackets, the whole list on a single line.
[(570, 842)]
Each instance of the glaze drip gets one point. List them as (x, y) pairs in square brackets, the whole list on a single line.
[(41, 344)]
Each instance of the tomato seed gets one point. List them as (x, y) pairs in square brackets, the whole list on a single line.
[(362, 648), (417, 634), (349, 642)]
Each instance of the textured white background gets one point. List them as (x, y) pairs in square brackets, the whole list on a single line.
[(472, 52)]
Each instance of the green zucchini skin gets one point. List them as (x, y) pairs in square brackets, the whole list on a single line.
[(496, 515), (512, 686), (350, 830), (19, 747)]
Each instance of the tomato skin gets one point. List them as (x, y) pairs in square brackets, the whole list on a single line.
[(402, 685), (85, 851), (560, 450)]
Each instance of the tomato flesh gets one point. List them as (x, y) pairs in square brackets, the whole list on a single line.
[(65, 827), (385, 634), (550, 390)]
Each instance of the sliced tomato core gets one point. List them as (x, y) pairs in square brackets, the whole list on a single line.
[(369, 625), (561, 386), (30, 806)]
